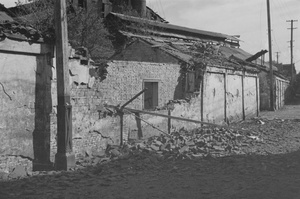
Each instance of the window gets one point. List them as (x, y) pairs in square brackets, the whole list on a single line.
[(150, 95), (82, 3), (190, 82)]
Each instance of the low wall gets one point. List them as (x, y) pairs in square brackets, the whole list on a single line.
[(281, 92)]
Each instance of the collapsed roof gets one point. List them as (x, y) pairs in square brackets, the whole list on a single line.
[(191, 46), (11, 29), (168, 30), (192, 53)]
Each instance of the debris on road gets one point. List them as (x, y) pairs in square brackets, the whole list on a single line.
[(183, 144)]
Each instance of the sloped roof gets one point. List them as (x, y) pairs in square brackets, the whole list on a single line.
[(191, 52), (243, 55), (5, 17), (16, 31), (170, 28), (154, 16), (237, 52)]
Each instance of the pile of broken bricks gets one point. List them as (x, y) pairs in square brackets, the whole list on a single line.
[(183, 144)]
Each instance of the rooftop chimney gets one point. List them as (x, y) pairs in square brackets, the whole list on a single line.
[(139, 6)]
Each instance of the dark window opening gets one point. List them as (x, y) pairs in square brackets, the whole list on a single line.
[(151, 95), (82, 3), (190, 82)]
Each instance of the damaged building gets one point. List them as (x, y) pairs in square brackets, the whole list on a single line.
[(188, 73), (179, 64), (25, 97)]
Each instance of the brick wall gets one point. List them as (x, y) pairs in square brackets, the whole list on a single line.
[(125, 79), (92, 130)]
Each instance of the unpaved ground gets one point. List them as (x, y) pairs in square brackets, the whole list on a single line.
[(271, 169)]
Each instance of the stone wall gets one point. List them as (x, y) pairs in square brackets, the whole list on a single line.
[(8, 163), (93, 129)]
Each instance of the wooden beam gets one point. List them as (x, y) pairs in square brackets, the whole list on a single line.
[(243, 95), (20, 47), (121, 128), (65, 157), (134, 97), (272, 100), (139, 125), (225, 97), (166, 116)]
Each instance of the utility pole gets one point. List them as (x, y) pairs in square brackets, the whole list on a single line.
[(272, 99), (64, 158), (291, 43), (277, 56)]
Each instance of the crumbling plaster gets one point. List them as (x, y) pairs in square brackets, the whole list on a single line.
[(25, 99)]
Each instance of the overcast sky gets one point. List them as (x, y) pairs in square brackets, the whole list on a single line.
[(247, 18)]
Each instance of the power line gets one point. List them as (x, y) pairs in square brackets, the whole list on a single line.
[(285, 8)]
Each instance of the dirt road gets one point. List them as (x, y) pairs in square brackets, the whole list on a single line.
[(270, 169)]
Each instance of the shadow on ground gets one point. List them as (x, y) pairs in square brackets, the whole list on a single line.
[(238, 176), (295, 100)]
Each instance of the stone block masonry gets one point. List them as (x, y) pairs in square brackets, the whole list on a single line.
[(126, 78), (93, 130)]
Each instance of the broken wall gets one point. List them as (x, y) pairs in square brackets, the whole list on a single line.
[(84, 99), (228, 96), (93, 130), (125, 79), (25, 100)]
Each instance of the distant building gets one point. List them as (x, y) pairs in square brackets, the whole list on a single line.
[(286, 70), (120, 6)]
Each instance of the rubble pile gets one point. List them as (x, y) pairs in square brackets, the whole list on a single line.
[(182, 144)]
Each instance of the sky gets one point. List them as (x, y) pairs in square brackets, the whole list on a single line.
[(247, 18)]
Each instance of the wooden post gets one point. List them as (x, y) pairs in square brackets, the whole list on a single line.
[(272, 100), (169, 122), (121, 113), (225, 98), (292, 54), (64, 158), (243, 94), (121, 127), (139, 125), (202, 98)]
